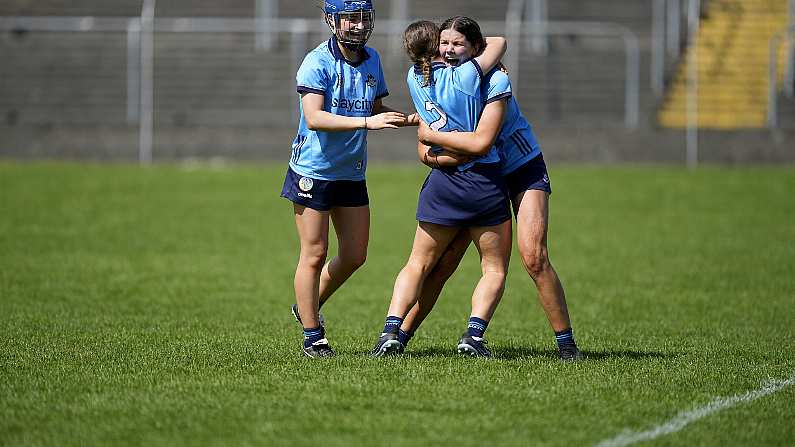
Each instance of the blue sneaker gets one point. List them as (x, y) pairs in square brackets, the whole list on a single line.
[(387, 344), (473, 346), (319, 349), (297, 316)]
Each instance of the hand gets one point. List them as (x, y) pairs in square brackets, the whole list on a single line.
[(459, 158), (413, 119), (386, 120), (424, 132)]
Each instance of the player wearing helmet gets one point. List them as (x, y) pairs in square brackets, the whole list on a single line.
[(341, 86), (352, 22)]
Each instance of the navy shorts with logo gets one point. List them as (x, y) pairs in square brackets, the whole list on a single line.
[(476, 197), (531, 175), (323, 195)]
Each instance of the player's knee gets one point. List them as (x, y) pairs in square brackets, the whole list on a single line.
[(496, 275), (419, 265), (314, 256), (356, 260), (535, 261)]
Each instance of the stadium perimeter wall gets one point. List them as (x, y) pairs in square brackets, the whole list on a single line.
[(63, 95)]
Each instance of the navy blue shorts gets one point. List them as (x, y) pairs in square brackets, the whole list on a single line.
[(323, 195), (531, 175), (476, 197)]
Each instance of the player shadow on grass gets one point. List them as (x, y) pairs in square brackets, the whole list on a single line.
[(516, 353)]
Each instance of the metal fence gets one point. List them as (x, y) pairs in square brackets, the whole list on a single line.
[(144, 33)]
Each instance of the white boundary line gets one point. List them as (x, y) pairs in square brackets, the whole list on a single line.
[(628, 437)]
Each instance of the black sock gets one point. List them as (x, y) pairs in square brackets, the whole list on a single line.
[(392, 324), (565, 338), (312, 335), (404, 337)]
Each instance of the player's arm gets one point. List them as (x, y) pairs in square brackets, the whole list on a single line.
[(491, 55), (441, 159), (469, 143), (319, 119), (380, 107)]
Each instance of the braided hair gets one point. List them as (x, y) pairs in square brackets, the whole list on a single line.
[(421, 42)]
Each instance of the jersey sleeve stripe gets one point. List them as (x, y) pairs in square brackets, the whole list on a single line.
[(521, 143), (499, 97), (305, 89), (477, 66)]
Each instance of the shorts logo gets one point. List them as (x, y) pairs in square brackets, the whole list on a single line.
[(305, 184), (546, 178), (371, 82)]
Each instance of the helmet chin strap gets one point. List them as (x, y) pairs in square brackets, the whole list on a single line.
[(350, 45)]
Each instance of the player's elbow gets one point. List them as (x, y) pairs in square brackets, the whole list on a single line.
[(311, 123), (481, 146), (313, 120), (499, 43)]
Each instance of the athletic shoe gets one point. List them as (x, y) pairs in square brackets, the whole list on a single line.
[(569, 353), (297, 316), (473, 346), (387, 344), (319, 349)]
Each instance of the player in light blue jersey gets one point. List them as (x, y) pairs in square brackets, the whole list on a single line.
[(529, 188), (341, 86), (471, 197)]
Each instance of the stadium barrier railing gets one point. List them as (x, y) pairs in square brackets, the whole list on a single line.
[(140, 51)]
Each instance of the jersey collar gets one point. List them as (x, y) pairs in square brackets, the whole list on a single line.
[(334, 49)]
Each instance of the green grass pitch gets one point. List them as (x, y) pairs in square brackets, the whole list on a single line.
[(151, 307)]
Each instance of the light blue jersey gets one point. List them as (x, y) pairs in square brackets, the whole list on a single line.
[(453, 101), (349, 90), (516, 142)]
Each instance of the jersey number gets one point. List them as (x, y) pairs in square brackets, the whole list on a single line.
[(442, 121)]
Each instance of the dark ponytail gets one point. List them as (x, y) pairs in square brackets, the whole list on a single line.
[(421, 42)]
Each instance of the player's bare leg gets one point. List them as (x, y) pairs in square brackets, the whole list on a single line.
[(532, 222), (531, 235), (430, 241), (435, 280), (313, 226), (352, 226), (494, 246)]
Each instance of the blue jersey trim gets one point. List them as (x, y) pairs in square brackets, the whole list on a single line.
[(305, 89), (382, 95), (499, 97), (477, 66), (334, 49)]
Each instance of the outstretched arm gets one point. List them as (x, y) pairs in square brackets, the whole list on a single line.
[(319, 119), (410, 120), (491, 55), (469, 143)]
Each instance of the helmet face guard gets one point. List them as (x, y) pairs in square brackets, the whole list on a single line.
[(352, 22)]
